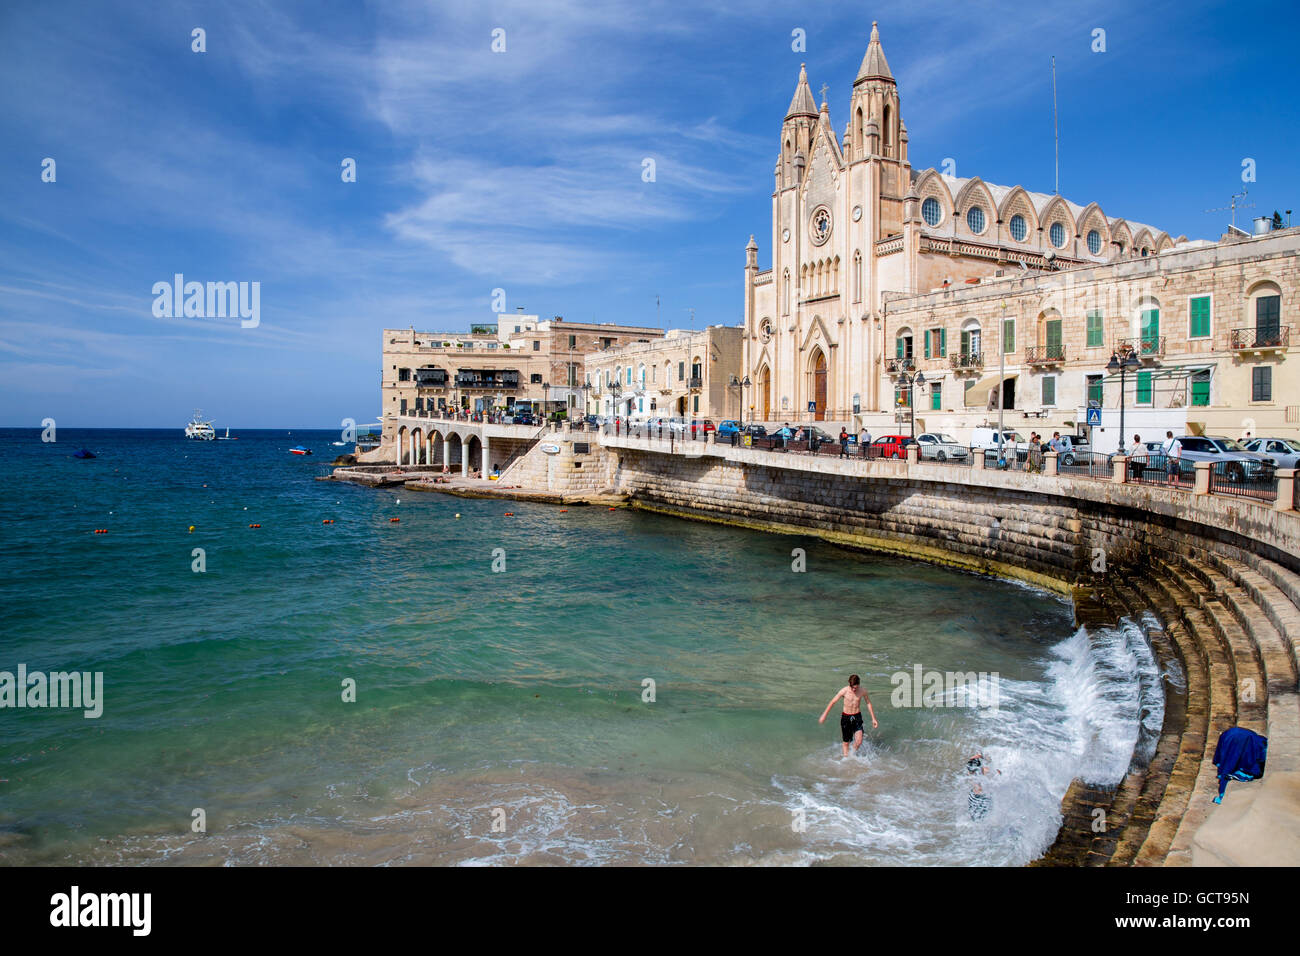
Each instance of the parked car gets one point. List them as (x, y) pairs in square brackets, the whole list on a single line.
[(1284, 451), (1229, 457), (891, 446), (754, 429), (811, 432), (941, 447), (523, 418), (728, 428), (1012, 442)]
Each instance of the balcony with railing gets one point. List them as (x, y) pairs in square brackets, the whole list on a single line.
[(487, 378), (430, 378), (695, 382), (895, 365), (1045, 355), (966, 361), (1145, 347), (1260, 338)]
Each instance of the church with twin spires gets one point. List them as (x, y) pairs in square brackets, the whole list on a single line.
[(852, 222)]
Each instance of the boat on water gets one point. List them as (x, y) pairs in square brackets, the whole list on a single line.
[(226, 437), (84, 453), (299, 450), (198, 429)]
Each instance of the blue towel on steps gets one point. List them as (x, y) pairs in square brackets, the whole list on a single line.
[(1240, 754)]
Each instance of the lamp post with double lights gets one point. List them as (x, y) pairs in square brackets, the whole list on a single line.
[(615, 391), (910, 382), (1129, 363)]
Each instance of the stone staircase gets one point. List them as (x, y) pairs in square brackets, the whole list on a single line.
[(1232, 620)]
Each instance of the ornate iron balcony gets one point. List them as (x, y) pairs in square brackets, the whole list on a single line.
[(1260, 337), (1146, 347), (1045, 355), (966, 360)]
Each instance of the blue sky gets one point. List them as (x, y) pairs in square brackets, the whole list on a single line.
[(521, 170)]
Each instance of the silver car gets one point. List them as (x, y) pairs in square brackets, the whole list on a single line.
[(1284, 451), (941, 447), (1228, 456)]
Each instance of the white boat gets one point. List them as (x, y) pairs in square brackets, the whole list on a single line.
[(198, 429), (226, 437)]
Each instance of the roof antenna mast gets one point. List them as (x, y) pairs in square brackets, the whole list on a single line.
[(1056, 134)]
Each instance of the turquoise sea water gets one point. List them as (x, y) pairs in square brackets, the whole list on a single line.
[(499, 717)]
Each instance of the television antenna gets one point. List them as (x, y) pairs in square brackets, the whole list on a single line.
[(1233, 205)]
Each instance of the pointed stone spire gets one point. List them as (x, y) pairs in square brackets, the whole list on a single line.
[(802, 104), (874, 64)]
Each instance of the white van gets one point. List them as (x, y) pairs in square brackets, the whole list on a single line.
[(1012, 441)]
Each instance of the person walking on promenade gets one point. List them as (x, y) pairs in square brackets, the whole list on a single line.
[(1035, 457), (844, 442), (851, 719), (1172, 449)]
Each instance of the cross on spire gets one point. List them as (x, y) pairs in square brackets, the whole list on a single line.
[(823, 92)]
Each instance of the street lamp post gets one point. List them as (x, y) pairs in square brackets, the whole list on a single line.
[(1128, 363), (910, 382), (1002, 381), (615, 390), (745, 385)]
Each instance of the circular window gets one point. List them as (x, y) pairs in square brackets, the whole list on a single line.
[(857, 213), (975, 219), (1094, 242), (931, 212), (765, 330), (1057, 234), (785, 235), (821, 225), (1018, 228)]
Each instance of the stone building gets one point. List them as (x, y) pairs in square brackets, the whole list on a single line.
[(685, 374), (494, 366), (854, 224), (1209, 326)]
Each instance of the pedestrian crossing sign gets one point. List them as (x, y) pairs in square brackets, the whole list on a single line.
[(1094, 416)]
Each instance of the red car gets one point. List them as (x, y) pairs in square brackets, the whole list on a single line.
[(891, 446)]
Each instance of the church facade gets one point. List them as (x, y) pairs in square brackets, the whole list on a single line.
[(855, 227)]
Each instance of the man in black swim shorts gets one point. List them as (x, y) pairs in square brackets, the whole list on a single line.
[(851, 720)]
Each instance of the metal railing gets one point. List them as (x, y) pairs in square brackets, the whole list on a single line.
[(1044, 354), (1145, 347), (1161, 470), (1230, 478), (966, 360), (1085, 465), (1260, 337), (895, 365)]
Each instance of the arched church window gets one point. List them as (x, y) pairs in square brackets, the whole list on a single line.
[(1018, 228)]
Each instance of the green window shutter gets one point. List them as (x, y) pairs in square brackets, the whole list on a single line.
[(1199, 327), (1049, 390), (943, 343), (927, 343), (1151, 324), (1201, 391), (1008, 336), (898, 342), (936, 398), (1095, 332), (1095, 389), (965, 343), (1144, 388)]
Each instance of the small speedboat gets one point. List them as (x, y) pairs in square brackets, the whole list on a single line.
[(299, 450), (84, 453)]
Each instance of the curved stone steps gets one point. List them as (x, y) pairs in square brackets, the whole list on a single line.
[(1211, 707), (1167, 787), (1146, 786), (1280, 613)]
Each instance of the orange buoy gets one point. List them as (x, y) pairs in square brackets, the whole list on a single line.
[(394, 520), (101, 531), (255, 526), (328, 521), (611, 509), (564, 511)]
